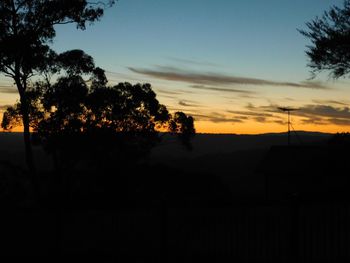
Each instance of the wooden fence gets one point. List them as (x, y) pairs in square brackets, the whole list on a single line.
[(279, 232)]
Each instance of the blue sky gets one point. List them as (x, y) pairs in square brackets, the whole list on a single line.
[(173, 44), (250, 37)]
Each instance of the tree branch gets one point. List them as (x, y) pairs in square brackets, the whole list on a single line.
[(7, 70)]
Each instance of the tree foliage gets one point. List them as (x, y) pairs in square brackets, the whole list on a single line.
[(330, 41), (26, 29), (80, 117), (28, 26)]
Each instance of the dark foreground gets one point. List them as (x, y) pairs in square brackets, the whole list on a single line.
[(277, 211)]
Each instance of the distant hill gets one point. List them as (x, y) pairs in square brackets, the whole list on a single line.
[(218, 151), (232, 158), (204, 144)]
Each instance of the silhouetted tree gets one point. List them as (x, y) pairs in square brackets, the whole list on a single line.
[(26, 28), (183, 125), (84, 119), (330, 41)]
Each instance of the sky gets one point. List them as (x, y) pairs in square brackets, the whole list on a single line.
[(229, 64)]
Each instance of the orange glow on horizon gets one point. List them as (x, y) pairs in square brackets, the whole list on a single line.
[(259, 128), (249, 128)]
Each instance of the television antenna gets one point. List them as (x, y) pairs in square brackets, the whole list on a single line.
[(288, 110)]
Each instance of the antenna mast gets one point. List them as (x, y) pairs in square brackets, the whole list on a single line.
[(288, 110)]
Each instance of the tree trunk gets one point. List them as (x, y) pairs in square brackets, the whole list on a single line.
[(26, 136), (29, 158)]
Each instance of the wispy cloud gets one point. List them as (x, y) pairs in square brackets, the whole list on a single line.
[(331, 102), (250, 113), (312, 113), (188, 103), (8, 90), (169, 92), (324, 111), (280, 122), (341, 122), (116, 77), (193, 62), (261, 119), (289, 99), (208, 78), (315, 120), (216, 118), (229, 116), (265, 108), (254, 114), (247, 96), (308, 114), (202, 87)]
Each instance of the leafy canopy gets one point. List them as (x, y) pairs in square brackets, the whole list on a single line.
[(80, 113), (28, 26), (330, 41)]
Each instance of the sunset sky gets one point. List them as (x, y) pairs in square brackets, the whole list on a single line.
[(228, 63)]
